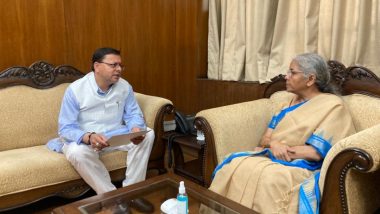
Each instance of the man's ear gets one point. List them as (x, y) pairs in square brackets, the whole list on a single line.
[(311, 80), (95, 66)]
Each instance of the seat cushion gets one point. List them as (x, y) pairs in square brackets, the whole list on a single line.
[(35, 167)]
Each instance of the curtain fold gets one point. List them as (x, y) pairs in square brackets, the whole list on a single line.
[(254, 40)]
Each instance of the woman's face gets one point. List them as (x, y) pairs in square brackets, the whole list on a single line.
[(295, 79)]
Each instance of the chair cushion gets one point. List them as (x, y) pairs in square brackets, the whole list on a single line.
[(237, 127), (364, 110), (278, 100), (34, 167), (29, 116), (150, 105)]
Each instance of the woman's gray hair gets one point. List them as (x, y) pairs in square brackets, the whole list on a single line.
[(312, 63)]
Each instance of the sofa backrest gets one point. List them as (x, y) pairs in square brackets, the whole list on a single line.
[(29, 116), (364, 109), (255, 115), (30, 99), (277, 100), (149, 106), (359, 86), (237, 127)]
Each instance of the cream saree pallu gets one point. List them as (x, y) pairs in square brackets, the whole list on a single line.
[(267, 185)]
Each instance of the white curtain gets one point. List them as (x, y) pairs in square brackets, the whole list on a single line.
[(254, 40)]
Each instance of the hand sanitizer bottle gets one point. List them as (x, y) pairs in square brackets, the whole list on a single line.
[(182, 199)]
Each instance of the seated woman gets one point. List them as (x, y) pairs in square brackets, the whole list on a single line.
[(284, 170)]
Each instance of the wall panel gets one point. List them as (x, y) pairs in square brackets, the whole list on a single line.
[(30, 31), (150, 45), (215, 93), (163, 42), (186, 53), (91, 24)]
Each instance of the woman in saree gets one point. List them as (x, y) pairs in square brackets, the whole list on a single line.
[(281, 175)]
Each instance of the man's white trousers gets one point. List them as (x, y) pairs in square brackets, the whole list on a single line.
[(89, 166)]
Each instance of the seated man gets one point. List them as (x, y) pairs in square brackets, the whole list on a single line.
[(280, 176), (95, 107)]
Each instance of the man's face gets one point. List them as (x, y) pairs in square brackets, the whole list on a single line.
[(109, 69)]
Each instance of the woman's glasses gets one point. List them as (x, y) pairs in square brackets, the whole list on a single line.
[(291, 73)]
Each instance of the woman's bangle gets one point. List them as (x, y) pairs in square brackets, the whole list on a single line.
[(266, 145)]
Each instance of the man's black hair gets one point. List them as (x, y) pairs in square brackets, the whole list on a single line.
[(100, 53)]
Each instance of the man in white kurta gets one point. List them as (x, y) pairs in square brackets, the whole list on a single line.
[(94, 106)]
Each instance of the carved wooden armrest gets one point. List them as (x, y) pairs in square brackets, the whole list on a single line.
[(334, 198), (352, 167)]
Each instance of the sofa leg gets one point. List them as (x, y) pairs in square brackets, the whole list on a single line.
[(162, 171), (75, 191)]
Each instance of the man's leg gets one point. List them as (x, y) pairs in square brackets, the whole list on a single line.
[(137, 160), (86, 161)]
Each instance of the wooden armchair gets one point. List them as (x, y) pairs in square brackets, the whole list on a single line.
[(350, 173)]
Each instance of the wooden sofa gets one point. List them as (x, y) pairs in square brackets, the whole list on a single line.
[(30, 100), (350, 175)]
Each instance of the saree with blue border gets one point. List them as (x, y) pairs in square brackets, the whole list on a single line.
[(267, 185)]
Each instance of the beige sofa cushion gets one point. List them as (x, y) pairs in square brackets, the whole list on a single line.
[(365, 110), (19, 168), (150, 106), (29, 116), (237, 127), (278, 100)]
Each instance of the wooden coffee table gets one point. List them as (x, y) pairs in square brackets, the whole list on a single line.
[(156, 190)]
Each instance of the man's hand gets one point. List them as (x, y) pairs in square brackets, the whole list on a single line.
[(139, 139), (98, 141)]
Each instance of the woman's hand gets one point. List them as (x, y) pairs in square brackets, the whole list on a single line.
[(266, 138), (280, 150), (305, 152), (258, 149)]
